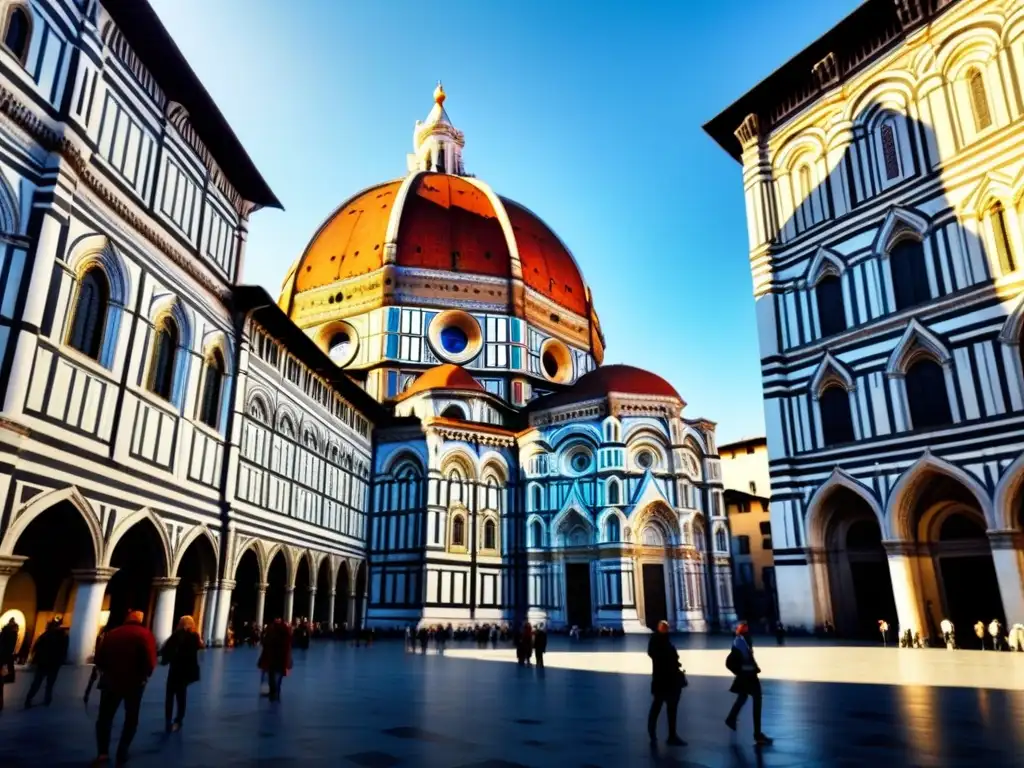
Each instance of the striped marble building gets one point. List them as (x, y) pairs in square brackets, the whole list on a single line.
[(883, 175)]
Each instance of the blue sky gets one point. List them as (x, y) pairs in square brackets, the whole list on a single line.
[(589, 113)]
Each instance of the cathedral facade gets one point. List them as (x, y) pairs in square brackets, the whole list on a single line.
[(883, 175), (419, 428)]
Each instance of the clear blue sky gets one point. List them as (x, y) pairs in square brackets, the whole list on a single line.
[(589, 113)]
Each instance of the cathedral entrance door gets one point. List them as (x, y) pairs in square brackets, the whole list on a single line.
[(577, 594), (655, 603)]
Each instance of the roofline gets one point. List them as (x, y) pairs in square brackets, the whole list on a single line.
[(733, 493), (868, 32), (156, 49), (742, 443)]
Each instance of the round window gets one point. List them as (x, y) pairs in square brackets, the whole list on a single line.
[(339, 346), (644, 459), (580, 462), (454, 339), (550, 363)]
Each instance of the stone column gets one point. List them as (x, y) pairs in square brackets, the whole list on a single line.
[(1008, 559), (351, 617), (163, 610), (9, 565), (199, 606), (289, 604), (261, 599), (209, 613), (904, 586), (330, 609), (312, 604), (85, 621), (220, 623)]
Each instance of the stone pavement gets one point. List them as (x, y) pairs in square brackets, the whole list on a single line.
[(382, 707)]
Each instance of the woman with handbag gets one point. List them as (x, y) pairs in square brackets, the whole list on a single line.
[(667, 683), (746, 685), (181, 654)]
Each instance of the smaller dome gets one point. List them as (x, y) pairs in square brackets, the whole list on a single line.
[(619, 379), (445, 376)]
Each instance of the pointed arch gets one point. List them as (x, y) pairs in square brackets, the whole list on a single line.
[(602, 526), (916, 341), (289, 563), (1006, 500), (569, 513), (830, 371), (826, 263), (120, 529), (994, 187), (38, 505), (260, 549), (661, 514), (899, 507), (899, 224), (534, 525), (186, 541), (817, 515), (10, 219)]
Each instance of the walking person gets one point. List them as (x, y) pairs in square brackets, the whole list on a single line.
[(276, 657), (747, 684), (667, 683), (126, 659), (94, 676), (8, 645), (525, 647), (181, 655), (540, 645), (48, 655)]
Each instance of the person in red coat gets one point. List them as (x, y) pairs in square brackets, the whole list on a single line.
[(276, 656), (125, 660)]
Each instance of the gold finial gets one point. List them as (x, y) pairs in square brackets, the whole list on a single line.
[(439, 94)]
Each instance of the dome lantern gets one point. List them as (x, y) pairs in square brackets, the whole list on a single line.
[(437, 144)]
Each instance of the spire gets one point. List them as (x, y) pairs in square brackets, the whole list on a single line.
[(437, 144)]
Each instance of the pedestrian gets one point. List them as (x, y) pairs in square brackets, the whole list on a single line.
[(276, 656), (995, 628), (780, 633), (747, 684), (94, 676), (423, 636), (525, 646), (540, 645), (126, 659), (440, 637), (979, 630), (8, 645), (181, 655), (48, 655), (948, 634), (667, 682)]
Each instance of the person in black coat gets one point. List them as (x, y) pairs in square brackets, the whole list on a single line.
[(666, 683), (181, 654), (48, 655), (8, 645), (747, 684), (540, 644)]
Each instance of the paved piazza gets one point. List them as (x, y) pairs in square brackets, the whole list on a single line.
[(382, 707)]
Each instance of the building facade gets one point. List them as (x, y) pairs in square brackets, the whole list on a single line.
[(883, 177), (174, 441), (747, 499)]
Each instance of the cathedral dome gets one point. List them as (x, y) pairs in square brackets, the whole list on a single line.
[(447, 376), (608, 380)]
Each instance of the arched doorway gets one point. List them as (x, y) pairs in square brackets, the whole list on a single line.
[(360, 595), (322, 610), (341, 591), (943, 519), (656, 534), (277, 580), (139, 557), (247, 584), (43, 588), (197, 567), (859, 583), (300, 607)]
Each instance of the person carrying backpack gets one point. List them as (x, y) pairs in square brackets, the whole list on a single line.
[(747, 685)]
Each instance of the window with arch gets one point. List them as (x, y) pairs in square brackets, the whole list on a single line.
[(926, 394), (828, 295), (536, 534), (18, 32), (459, 531), (836, 417), (803, 183), (90, 313), (453, 412), (611, 432), (213, 382), (165, 353), (1004, 253), (721, 543), (490, 535), (614, 492), (536, 498), (890, 151), (979, 100), (909, 274), (454, 486), (612, 530)]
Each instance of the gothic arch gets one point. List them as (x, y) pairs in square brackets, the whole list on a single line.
[(901, 496), (899, 224), (662, 515), (41, 504), (602, 521), (10, 220), (96, 249), (825, 263), (186, 541), (291, 571), (830, 370), (571, 512), (916, 341), (135, 518), (994, 187), (260, 549), (817, 517), (1007, 492)]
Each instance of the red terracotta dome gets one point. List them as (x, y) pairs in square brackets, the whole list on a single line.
[(608, 379), (445, 376), (445, 222)]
